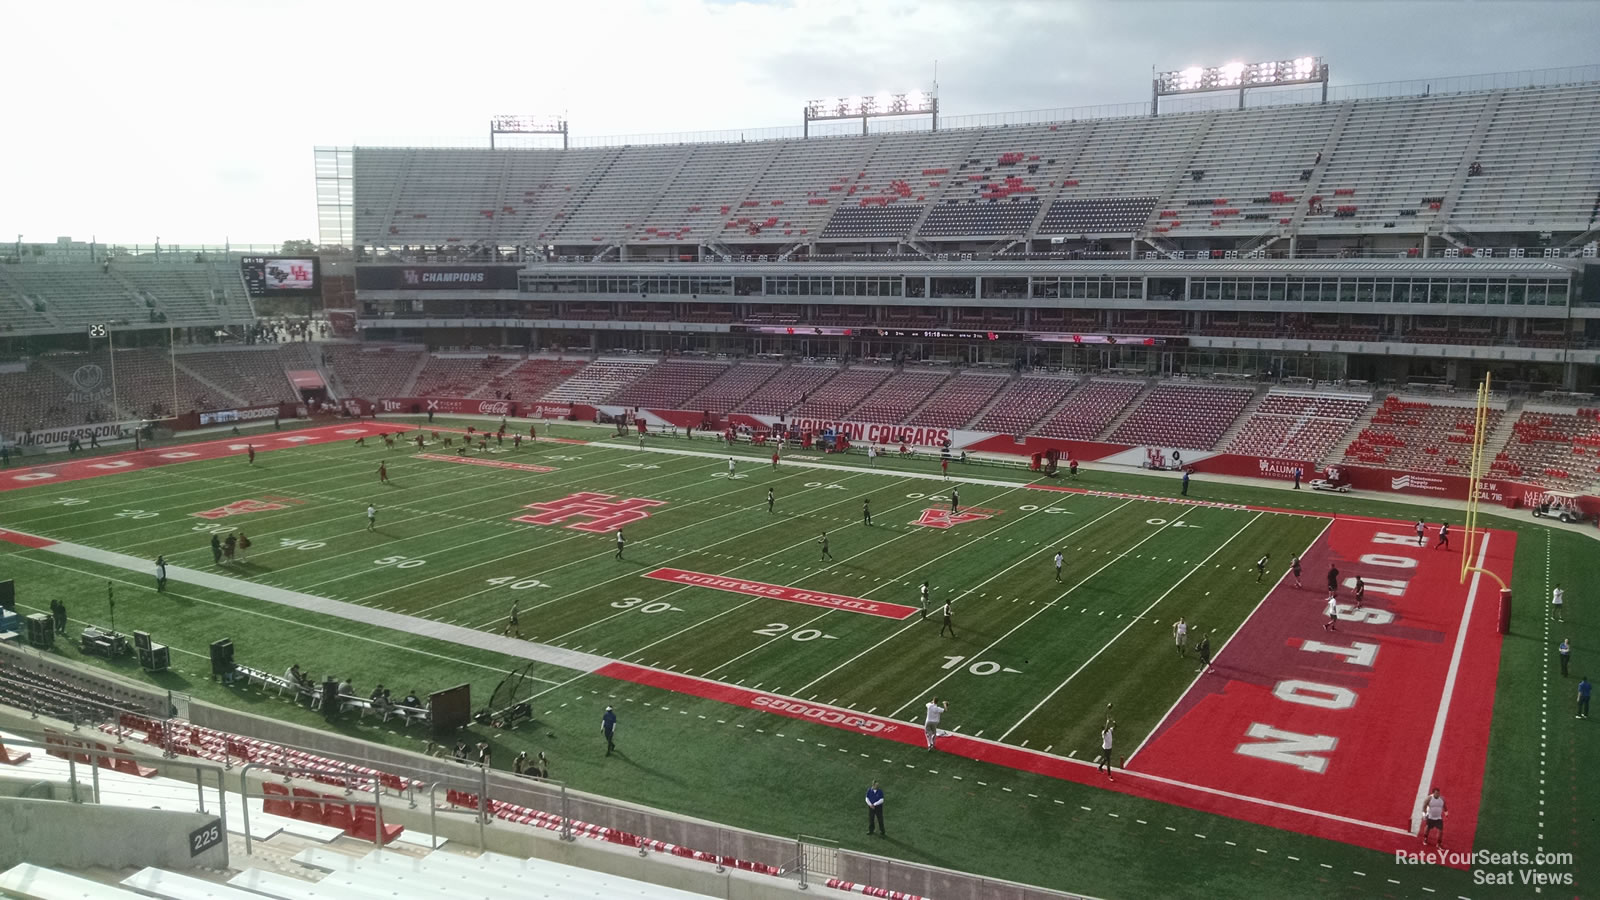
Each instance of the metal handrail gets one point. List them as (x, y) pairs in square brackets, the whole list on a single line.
[(72, 747), (287, 771)]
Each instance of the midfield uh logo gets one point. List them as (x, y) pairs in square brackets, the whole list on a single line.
[(944, 518), (239, 508), (604, 512)]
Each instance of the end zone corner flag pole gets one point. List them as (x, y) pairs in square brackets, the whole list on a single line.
[(1480, 439)]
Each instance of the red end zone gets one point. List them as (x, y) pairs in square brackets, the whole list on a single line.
[(94, 467), (1354, 724), (1420, 715), (780, 592), (1133, 782)]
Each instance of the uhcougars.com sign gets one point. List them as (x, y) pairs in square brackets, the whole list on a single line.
[(46, 438), (224, 416)]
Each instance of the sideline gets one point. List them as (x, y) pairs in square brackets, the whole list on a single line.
[(352, 612)]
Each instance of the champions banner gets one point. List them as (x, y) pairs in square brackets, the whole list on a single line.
[(437, 278)]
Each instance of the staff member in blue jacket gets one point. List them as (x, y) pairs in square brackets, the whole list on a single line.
[(608, 727), (875, 810)]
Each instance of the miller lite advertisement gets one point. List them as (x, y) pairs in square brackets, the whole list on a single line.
[(268, 276)]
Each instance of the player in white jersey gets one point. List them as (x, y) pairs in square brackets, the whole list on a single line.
[(1433, 813), (931, 723), (1558, 599), (1180, 635), (1104, 761), (1058, 565), (1332, 612)]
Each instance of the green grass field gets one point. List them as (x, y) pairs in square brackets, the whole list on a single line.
[(1034, 664)]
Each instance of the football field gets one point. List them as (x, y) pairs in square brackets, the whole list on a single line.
[(1033, 660), (805, 609)]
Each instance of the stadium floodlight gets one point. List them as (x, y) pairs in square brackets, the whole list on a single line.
[(528, 125), (883, 103), (1239, 76)]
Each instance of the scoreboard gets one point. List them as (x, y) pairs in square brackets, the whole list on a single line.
[(268, 276)]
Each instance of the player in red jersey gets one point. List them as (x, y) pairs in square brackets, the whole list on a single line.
[(250, 449), (419, 440), (383, 473), (774, 459)]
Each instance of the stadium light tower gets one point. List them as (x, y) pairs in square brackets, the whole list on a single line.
[(916, 103), (1239, 76), (528, 125)]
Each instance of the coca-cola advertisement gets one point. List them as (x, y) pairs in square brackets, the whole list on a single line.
[(449, 406)]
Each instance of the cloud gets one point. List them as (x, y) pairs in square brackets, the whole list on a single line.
[(198, 123)]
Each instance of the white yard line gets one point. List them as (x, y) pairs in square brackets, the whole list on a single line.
[(607, 552), (894, 580), (1215, 656), (174, 471), (437, 551), (1036, 613), (428, 493), (1135, 620), (367, 615), (295, 622), (796, 581), (910, 625), (1432, 759)]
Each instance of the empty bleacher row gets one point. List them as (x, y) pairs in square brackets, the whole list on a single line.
[(73, 295), (529, 379), (734, 387), (1298, 425), (1185, 416), (669, 384), (842, 393), (360, 371), (1419, 436), (1356, 165), (959, 399), (1023, 404), (254, 376), (599, 380), (457, 376), (1088, 410), (1553, 448)]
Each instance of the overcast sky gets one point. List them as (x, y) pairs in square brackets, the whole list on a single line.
[(195, 122)]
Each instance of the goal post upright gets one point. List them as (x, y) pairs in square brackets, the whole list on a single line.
[(1480, 439)]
